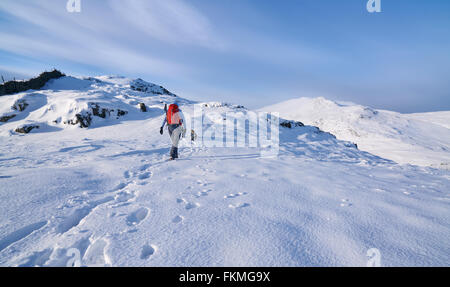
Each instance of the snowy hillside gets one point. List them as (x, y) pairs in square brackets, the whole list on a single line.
[(92, 177), (90, 102), (437, 118), (419, 139)]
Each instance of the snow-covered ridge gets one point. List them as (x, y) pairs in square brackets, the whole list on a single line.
[(143, 86), (72, 102), (82, 102), (420, 139)]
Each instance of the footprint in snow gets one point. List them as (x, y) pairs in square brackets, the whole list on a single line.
[(147, 251), (137, 216), (202, 193), (127, 174), (178, 219), (234, 195), (144, 167), (145, 175), (191, 205), (201, 183), (240, 205), (121, 186), (142, 183), (96, 255), (181, 200), (124, 196), (345, 203)]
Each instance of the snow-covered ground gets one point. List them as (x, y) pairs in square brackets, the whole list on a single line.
[(419, 139), (109, 192)]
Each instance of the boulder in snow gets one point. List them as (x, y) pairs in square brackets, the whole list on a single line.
[(291, 124), (4, 119), (143, 107), (26, 129), (20, 105), (83, 119)]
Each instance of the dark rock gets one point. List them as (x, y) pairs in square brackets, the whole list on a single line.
[(319, 131), (13, 87), (4, 119), (97, 111), (286, 125), (20, 105), (26, 129), (83, 120), (143, 107), (351, 145), (121, 113), (291, 124)]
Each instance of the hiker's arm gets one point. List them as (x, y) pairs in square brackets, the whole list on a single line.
[(161, 131), (183, 121)]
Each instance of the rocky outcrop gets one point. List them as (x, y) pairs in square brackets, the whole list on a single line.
[(291, 124), (4, 119), (368, 113), (146, 87), (84, 119), (26, 129), (20, 105), (120, 113), (14, 87), (99, 112)]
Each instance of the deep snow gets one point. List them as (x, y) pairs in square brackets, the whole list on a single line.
[(109, 192)]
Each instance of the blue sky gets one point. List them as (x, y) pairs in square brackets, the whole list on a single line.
[(251, 52)]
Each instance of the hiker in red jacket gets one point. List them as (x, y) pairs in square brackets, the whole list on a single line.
[(176, 126)]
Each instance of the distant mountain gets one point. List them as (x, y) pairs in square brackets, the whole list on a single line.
[(419, 139)]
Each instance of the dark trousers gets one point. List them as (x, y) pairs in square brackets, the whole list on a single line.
[(175, 135)]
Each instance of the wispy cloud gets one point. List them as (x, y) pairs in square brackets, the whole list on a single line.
[(171, 21), (102, 40), (250, 49)]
